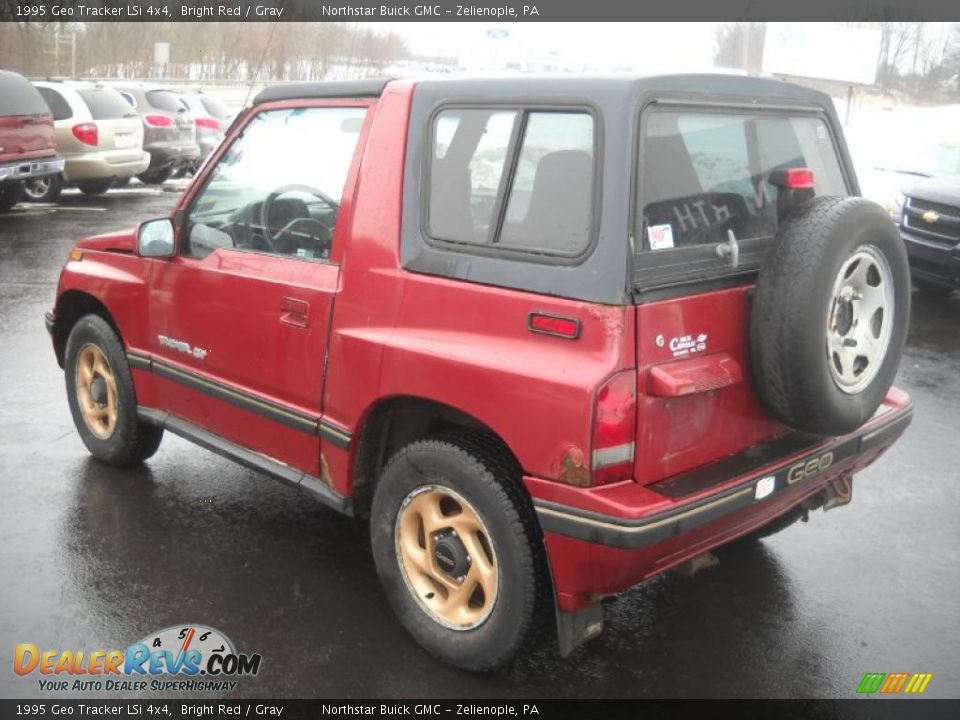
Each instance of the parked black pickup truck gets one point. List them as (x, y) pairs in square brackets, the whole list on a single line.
[(930, 227)]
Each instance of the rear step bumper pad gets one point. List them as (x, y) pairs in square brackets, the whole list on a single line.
[(628, 533)]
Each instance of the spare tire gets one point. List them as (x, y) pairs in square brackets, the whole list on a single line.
[(830, 315)]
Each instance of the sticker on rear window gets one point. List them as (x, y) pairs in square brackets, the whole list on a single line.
[(660, 237)]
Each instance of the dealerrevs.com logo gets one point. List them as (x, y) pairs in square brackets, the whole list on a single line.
[(187, 658)]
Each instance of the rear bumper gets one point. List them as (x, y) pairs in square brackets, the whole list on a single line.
[(604, 540), (106, 165), (15, 171), (172, 154), (932, 261)]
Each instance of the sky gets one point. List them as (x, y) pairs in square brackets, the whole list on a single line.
[(598, 47)]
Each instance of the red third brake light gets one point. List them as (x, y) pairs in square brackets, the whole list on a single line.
[(158, 120), (211, 123), (798, 179), (614, 429), (87, 133)]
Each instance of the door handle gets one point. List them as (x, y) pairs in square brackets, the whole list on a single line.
[(295, 313)]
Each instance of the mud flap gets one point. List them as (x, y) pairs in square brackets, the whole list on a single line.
[(575, 628)]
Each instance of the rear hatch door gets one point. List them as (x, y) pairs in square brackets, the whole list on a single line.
[(708, 215), (26, 124), (170, 103), (119, 127)]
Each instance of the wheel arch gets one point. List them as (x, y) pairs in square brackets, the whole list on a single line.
[(393, 422), (71, 306)]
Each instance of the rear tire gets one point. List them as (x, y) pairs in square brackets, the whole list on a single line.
[(155, 177), (427, 492), (10, 195), (43, 189), (95, 187), (102, 398)]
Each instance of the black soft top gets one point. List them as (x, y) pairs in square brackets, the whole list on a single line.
[(320, 90), (752, 89)]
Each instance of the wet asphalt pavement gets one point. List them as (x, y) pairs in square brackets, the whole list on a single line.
[(95, 558)]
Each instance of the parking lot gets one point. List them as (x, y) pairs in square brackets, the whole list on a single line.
[(96, 557)]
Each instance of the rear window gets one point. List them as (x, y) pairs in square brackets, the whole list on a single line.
[(58, 104), (19, 97), (164, 100), (704, 176), (106, 104), (213, 106), (512, 179)]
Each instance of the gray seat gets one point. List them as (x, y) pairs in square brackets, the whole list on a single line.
[(558, 217)]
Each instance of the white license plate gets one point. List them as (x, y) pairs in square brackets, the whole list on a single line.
[(125, 140)]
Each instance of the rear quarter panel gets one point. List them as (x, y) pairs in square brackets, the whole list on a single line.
[(466, 345)]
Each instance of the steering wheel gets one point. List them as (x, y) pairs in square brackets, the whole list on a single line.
[(281, 241), (268, 201)]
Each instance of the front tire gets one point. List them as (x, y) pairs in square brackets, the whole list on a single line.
[(458, 550), (102, 397)]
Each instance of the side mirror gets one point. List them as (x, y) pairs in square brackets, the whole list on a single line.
[(155, 239)]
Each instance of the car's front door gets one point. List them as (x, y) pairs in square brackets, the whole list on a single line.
[(239, 319)]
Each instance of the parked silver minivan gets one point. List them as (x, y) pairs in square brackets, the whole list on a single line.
[(99, 136)]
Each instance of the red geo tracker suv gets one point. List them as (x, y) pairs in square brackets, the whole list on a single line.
[(551, 336)]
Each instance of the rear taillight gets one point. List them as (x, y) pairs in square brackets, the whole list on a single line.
[(87, 133), (158, 120), (209, 123), (614, 429)]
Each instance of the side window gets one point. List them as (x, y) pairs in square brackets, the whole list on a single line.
[(129, 98), (278, 188), (514, 179), (470, 152), (59, 106), (551, 195)]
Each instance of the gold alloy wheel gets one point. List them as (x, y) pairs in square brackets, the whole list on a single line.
[(447, 557), (96, 391)]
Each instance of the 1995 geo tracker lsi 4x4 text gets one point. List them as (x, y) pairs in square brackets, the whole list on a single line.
[(552, 336)]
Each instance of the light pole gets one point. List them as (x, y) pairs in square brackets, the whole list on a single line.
[(497, 34)]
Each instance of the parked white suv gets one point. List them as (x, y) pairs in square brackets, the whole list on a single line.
[(98, 134)]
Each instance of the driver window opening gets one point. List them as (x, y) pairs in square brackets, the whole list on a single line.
[(278, 188)]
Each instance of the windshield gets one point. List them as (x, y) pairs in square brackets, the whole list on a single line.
[(165, 100), (928, 160)]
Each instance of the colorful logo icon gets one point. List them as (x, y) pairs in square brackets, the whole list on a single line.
[(894, 683)]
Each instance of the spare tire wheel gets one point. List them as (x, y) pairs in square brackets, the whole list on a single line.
[(830, 315)]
